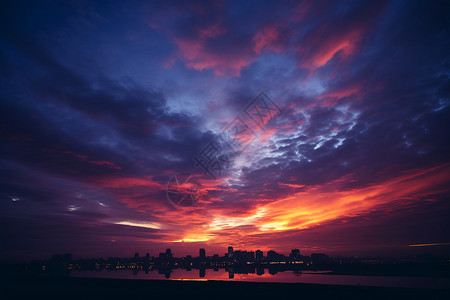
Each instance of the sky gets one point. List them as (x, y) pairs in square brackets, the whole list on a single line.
[(341, 110)]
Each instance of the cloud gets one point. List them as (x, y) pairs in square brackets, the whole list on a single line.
[(339, 36)]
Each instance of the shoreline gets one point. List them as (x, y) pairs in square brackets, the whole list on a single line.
[(35, 287)]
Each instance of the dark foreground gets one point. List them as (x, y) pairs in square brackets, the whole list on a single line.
[(97, 288)]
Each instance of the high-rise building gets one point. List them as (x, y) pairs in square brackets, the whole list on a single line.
[(166, 256), (271, 254), (230, 251), (274, 256), (136, 255), (295, 254), (259, 255), (202, 253)]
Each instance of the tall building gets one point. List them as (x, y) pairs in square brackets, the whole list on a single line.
[(271, 255), (230, 251), (274, 256), (202, 253), (295, 254), (259, 255), (136, 255), (166, 256)]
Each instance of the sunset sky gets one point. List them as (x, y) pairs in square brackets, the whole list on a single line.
[(102, 103)]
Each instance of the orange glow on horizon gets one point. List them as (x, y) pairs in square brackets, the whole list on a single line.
[(426, 245), (306, 209)]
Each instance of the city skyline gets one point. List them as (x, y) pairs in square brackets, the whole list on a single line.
[(242, 255), (270, 125), (237, 261)]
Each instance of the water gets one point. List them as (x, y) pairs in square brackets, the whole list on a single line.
[(286, 276)]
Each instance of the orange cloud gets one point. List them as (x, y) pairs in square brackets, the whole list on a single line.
[(309, 208), (127, 182)]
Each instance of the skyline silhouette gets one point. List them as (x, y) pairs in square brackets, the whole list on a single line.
[(244, 262)]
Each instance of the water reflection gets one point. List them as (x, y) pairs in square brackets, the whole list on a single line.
[(268, 275)]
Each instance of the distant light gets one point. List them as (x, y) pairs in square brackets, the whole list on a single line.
[(191, 279), (426, 245), (14, 199), (102, 204)]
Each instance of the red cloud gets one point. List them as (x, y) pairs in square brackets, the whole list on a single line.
[(197, 55), (318, 50), (95, 162), (270, 38), (203, 41), (203, 52), (105, 163), (340, 37)]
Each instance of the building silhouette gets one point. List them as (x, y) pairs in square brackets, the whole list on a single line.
[(259, 255), (320, 258), (295, 254)]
